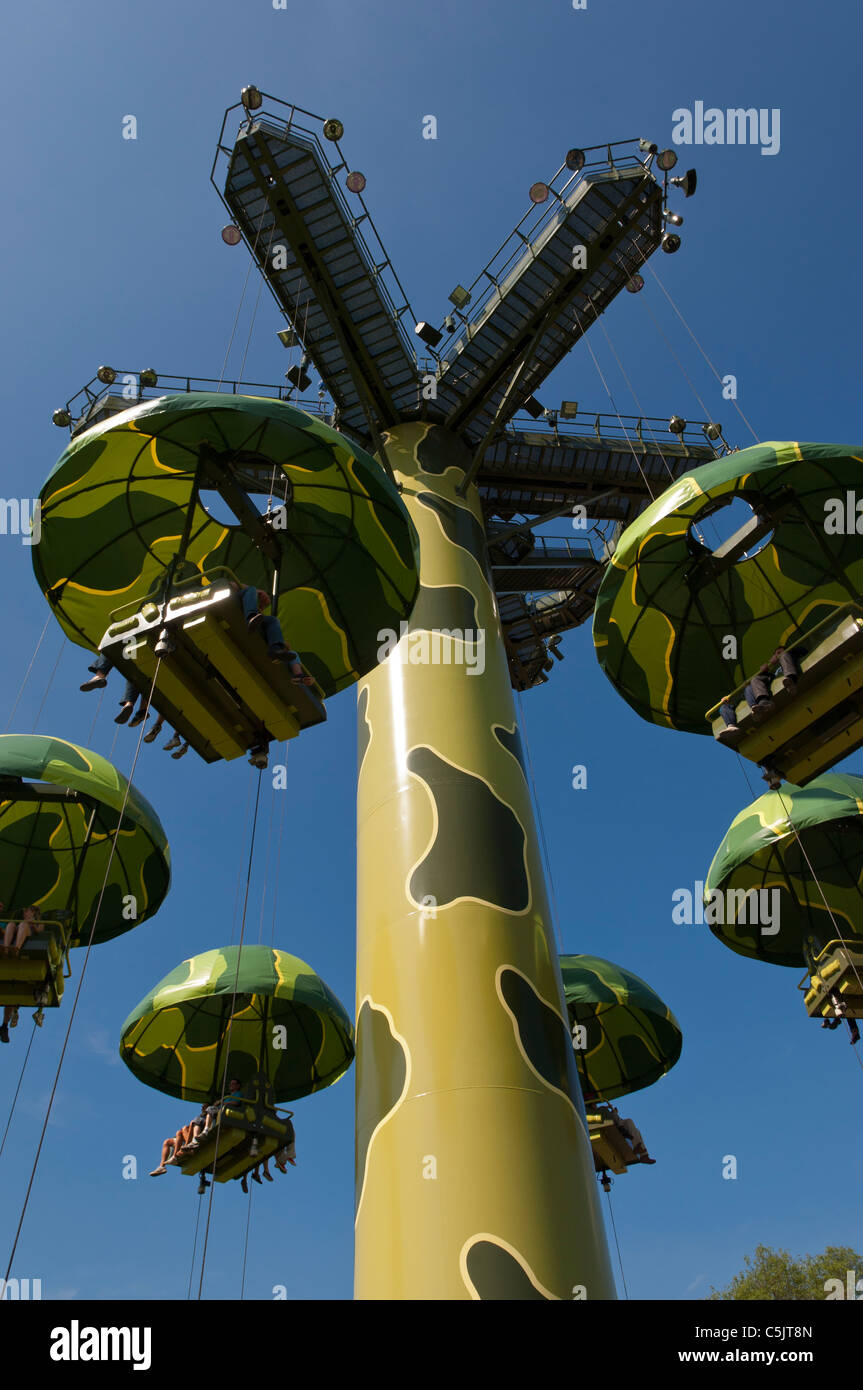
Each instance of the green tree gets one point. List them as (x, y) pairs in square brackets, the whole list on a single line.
[(776, 1274)]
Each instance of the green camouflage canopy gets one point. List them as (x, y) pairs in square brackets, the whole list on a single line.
[(114, 510), (804, 844), (267, 1010), (50, 790), (630, 1038), (666, 608)]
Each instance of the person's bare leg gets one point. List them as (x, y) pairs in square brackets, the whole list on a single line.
[(267, 1174), (167, 1148)]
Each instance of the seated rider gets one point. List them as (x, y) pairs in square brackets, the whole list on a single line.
[(17, 933), (757, 691), (255, 602), (631, 1134)]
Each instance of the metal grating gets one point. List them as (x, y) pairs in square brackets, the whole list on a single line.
[(282, 194), (540, 308)]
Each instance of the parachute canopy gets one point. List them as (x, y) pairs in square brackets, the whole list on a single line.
[(50, 792), (670, 602), (632, 1038), (265, 1011), (114, 510), (802, 849)]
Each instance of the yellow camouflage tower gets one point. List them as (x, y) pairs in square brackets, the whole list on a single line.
[(472, 1145)]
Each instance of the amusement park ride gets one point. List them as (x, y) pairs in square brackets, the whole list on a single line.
[(412, 504)]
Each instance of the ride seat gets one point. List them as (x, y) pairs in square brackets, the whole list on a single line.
[(611, 1149), (38, 971), (244, 1133), (217, 686), (820, 721), (838, 970)]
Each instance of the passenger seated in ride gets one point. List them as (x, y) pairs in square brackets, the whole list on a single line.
[(840, 1014), (254, 603), (757, 691), (17, 933), (101, 667), (631, 1134)]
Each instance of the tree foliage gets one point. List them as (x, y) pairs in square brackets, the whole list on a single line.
[(776, 1274)]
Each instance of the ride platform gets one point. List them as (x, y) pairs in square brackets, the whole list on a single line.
[(838, 972), (246, 1132), (816, 722), (612, 1151), (37, 975), (217, 685)]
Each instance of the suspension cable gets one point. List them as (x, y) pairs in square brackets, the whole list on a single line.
[(616, 1242), (27, 674), (228, 1038), (246, 1245), (17, 1089), (701, 350), (50, 683), (114, 841)]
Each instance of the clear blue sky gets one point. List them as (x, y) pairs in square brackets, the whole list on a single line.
[(111, 253)]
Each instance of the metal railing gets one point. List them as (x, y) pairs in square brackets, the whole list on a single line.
[(539, 219), (283, 126)]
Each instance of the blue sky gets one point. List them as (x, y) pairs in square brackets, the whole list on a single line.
[(111, 253)]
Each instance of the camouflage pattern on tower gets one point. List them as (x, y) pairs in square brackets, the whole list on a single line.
[(114, 509), (803, 846), (243, 1013), (667, 608), (473, 1156), (52, 793), (624, 1037)]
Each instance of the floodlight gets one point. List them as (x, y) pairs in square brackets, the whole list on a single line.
[(299, 377), (647, 147), (355, 182), (666, 159), (333, 130), (538, 192), (574, 160), (460, 297), (676, 425), (712, 430), (107, 375), (231, 235), (533, 407), (670, 242), (251, 98), (148, 377), (568, 410), (687, 183), (449, 323), (287, 337), (635, 283), (674, 218), (61, 418), (429, 335)]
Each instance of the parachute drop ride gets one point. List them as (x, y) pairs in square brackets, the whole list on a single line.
[(624, 1039), (60, 820), (683, 624), (257, 1014), (135, 564), (786, 886)]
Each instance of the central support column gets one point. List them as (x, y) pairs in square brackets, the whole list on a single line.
[(474, 1170)]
